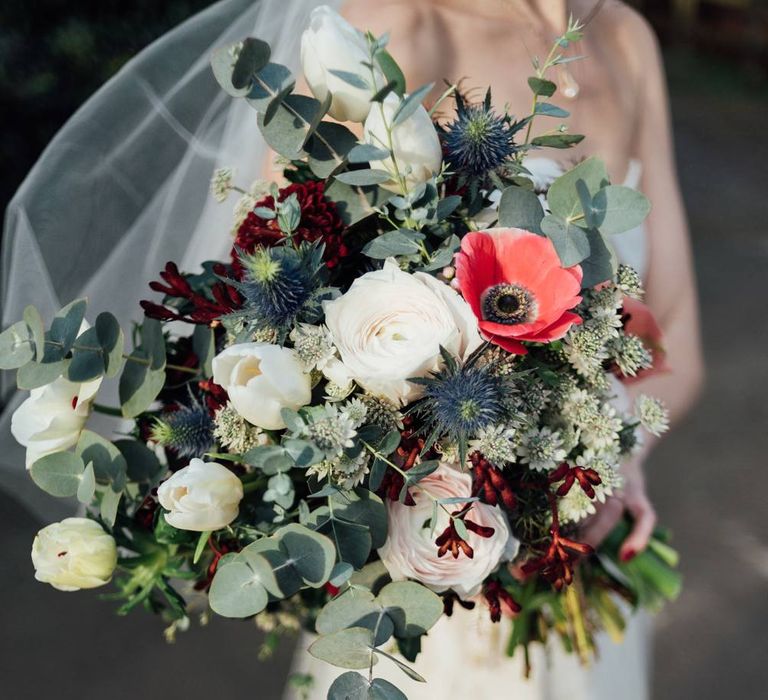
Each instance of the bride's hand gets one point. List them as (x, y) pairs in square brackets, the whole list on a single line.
[(633, 499)]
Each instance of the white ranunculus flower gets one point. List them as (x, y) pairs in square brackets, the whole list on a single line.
[(73, 554), (414, 142), (201, 496), (410, 550), (330, 43), (52, 417), (262, 379), (390, 325)]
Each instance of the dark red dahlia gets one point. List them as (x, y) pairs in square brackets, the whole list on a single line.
[(320, 220)]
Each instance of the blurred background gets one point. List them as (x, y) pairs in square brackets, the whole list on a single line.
[(707, 477)]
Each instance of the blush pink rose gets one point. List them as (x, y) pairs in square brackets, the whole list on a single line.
[(410, 551)]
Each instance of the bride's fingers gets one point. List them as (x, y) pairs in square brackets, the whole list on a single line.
[(599, 525), (644, 522)]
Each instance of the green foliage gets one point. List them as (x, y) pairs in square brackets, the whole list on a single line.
[(520, 208), (59, 474)]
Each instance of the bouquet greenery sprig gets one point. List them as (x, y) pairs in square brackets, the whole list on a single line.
[(402, 392)]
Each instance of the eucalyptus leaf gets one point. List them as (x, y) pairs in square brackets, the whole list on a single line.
[(549, 110), (58, 474), (393, 243), (541, 87), (328, 146), (37, 374), (366, 152), (288, 131), (269, 88), (303, 452), (222, 64), (252, 57), (110, 500), (414, 609), (237, 590), (601, 264), (347, 648), (139, 385), (446, 207), (34, 321), (363, 507), (350, 78), (112, 341), (65, 326), (557, 140), (363, 177), (313, 555), (563, 196), (143, 466), (17, 346), (519, 208), (356, 607), (204, 346), (410, 104), (87, 361), (392, 71), (354, 203), (87, 487), (617, 209), (109, 464), (571, 242)]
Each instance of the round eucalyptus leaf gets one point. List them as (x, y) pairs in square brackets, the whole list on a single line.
[(143, 466), (16, 346), (36, 374), (312, 554), (520, 208), (349, 686), (87, 487), (65, 326), (58, 474), (87, 358), (363, 507), (35, 323), (109, 464), (617, 209), (346, 610), (284, 581), (112, 342), (563, 197), (414, 609), (139, 385), (347, 648), (384, 690), (237, 589)]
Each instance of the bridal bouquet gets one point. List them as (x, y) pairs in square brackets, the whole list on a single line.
[(402, 393)]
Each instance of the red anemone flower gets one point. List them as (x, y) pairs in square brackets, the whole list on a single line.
[(517, 288)]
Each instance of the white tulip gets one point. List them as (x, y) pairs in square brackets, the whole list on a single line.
[(202, 496), (52, 417), (73, 554), (330, 43), (414, 142), (262, 379), (390, 325)]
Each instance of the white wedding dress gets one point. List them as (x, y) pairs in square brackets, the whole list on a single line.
[(464, 656)]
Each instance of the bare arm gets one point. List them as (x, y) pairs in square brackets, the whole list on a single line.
[(671, 292)]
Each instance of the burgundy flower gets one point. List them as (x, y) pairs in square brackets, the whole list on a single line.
[(320, 220)]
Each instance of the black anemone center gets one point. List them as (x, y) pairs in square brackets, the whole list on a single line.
[(508, 304)]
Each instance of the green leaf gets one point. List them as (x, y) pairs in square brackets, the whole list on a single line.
[(284, 580), (446, 207), (363, 507), (352, 79), (414, 609), (393, 243), (252, 57), (303, 452), (143, 466), (36, 374), (58, 474), (288, 131), (313, 554), (546, 109), (352, 540), (354, 203), (356, 607), (366, 152), (364, 177), (66, 324), (617, 209), (204, 346), (407, 670), (237, 589), (347, 648), (112, 341), (557, 140), (391, 71), (270, 88), (410, 104), (16, 346), (139, 385), (108, 462), (87, 360), (222, 64), (37, 330), (110, 499), (376, 475), (563, 196), (328, 146), (571, 242), (601, 263), (541, 87), (87, 487), (153, 342), (271, 459), (341, 573), (520, 208), (354, 686)]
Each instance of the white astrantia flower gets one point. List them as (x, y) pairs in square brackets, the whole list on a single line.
[(201, 496), (496, 443), (221, 183), (73, 554), (541, 448), (331, 45), (262, 379), (235, 433), (356, 410), (603, 432), (410, 551), (390, 325), (242, 208), (52, 418), (580, 407), (629, 282), (330, 429), (313, 344), (630, 354), (415, 144), (584, 349), (652, 414)]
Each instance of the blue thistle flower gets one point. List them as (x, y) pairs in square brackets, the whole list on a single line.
[(188, 431), (459, 401), (479, 140), (279, 283)]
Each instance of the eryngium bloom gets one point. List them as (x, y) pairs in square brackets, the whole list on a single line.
[(479, 140), (188, 431)]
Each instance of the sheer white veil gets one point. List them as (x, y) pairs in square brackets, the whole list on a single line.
[(123, 187)]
